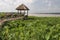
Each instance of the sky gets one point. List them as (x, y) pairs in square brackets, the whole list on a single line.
[(35, 6)]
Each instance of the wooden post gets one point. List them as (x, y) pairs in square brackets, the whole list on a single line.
[(27, 12), (24, 12), (20, 11)]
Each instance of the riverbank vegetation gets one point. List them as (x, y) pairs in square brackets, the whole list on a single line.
[(34, 28)]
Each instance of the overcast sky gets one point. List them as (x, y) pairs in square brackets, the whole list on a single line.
[(35, 6)]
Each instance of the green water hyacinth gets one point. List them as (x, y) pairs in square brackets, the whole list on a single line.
[(34, 28)]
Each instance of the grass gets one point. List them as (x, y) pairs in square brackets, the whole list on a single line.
[(35, 28)]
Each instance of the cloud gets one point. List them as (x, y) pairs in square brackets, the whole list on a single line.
[(9, 5), (36, 5), (18, 1), (29, 1), (48, 3), (46, 6)]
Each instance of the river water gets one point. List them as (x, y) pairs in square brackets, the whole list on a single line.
[(45, 14)]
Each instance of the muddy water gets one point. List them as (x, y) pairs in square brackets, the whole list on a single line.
[(44, 15)]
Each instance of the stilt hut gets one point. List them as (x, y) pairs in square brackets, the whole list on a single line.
[(22, 9)]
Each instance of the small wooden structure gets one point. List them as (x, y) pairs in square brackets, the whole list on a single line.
[(22, 9)]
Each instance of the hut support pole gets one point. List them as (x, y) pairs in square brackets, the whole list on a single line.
[(24, 12), (27, 12), (20, 11)]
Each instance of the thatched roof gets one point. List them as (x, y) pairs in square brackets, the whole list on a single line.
[(22, 7)]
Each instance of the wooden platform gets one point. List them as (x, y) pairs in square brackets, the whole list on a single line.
[(4, 20)]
